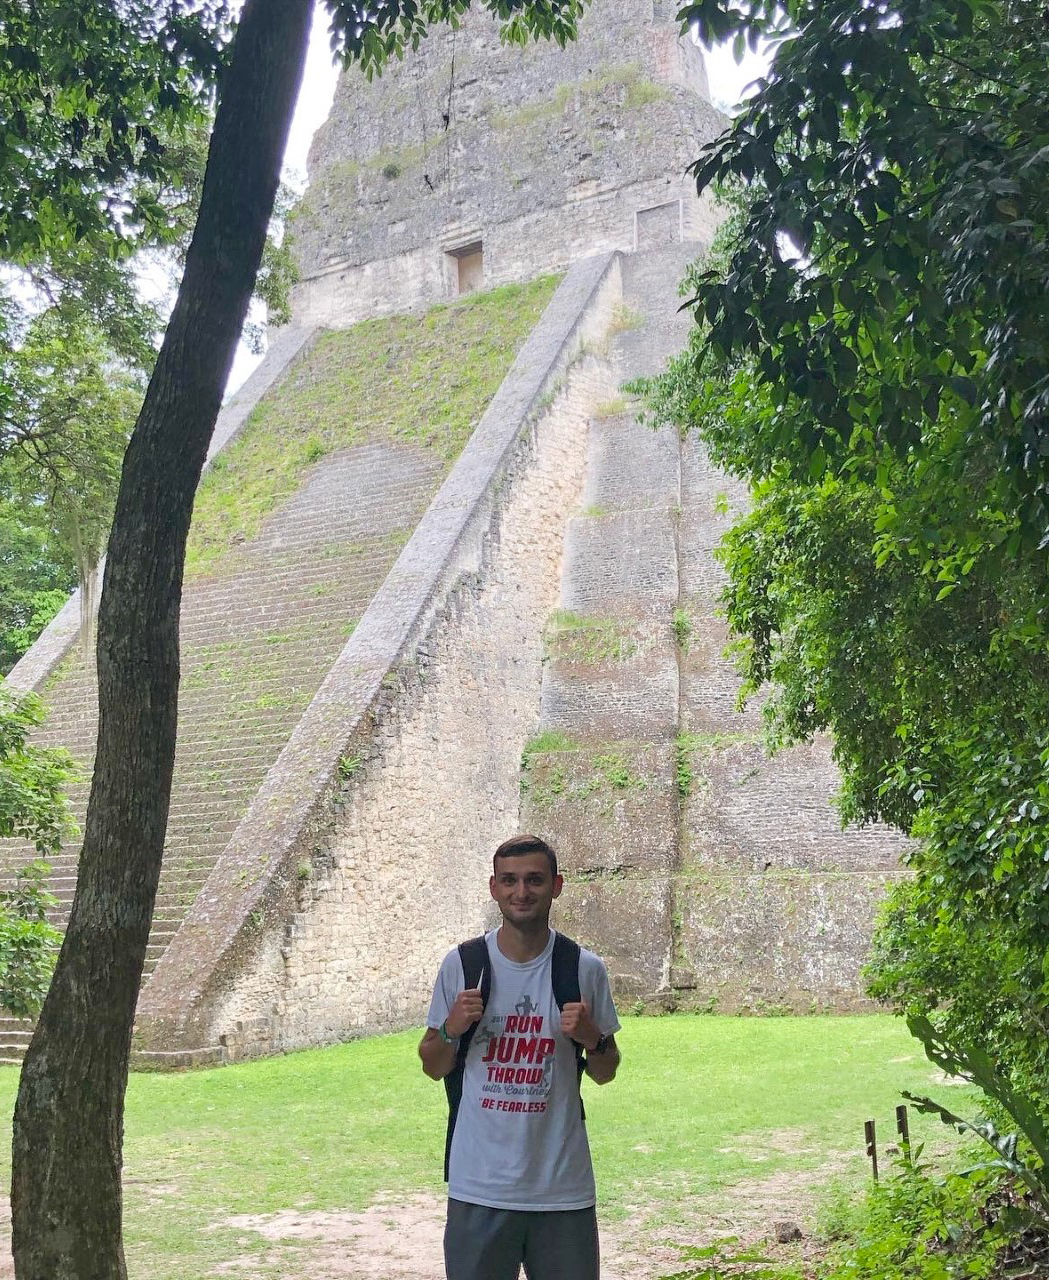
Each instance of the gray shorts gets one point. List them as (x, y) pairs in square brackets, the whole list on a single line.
[(492, 1244)]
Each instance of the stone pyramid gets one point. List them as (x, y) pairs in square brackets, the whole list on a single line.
[(417, 651)]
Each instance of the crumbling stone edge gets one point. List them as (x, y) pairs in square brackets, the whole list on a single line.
[(253, 887)]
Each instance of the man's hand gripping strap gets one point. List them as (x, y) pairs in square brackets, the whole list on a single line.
[(474, 957)]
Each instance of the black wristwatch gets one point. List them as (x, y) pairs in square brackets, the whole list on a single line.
[(601, 1046)]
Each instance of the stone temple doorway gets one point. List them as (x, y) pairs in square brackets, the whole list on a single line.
[(466, 267)]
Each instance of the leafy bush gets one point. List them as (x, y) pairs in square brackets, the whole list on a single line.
[(32, 801), (976, 976), (975, 1064), (910, 1226), (29, 945), (916, 1225), (32, 807), (726, 1259)]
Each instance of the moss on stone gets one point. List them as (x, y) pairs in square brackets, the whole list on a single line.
[(423, 379), (630, 87), (595, 779), (690, 747)]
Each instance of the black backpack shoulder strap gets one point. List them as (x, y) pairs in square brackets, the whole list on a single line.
[(474, 957), (564, 978), (564, 970)]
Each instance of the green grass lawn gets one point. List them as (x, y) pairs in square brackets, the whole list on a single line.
[(701, 1104)]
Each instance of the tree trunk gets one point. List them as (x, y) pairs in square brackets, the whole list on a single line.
[(68, 1127)]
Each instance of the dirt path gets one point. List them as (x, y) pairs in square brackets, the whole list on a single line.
[(401, 1238)]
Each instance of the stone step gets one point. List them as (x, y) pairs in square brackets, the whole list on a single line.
[(13, 1040), (621, 565), (630, 467)]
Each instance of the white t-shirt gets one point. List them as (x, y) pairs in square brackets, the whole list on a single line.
[(520, 1141)]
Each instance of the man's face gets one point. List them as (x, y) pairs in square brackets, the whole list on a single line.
[(524, 888)]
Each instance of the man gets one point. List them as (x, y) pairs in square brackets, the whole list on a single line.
[(520, 1181)]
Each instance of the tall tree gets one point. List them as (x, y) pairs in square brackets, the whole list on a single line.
[(66, 1198)]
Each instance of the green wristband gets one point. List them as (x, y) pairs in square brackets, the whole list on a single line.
[(442, 1031)]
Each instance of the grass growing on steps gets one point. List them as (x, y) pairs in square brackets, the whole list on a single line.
[(701, 1104), (586, 638), (422, 379)]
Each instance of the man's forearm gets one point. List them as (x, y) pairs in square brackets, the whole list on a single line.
[(602, 1067), (438, 1056)]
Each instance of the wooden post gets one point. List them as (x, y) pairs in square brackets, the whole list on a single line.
[(903, 1128), (872, 1146)]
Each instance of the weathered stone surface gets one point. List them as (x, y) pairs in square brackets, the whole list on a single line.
[(746, 812), (513, 160), (709, 682), (761, 914), (614, 680), (710, 503), (257, 641), (778, 941), (624, 565), (609, 810), (630, 466), (627, 921), (698, 869)]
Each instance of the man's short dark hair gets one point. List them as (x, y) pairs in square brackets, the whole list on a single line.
[(517, 846)]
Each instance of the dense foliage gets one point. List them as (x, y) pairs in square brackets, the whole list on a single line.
[(872, 353), (29, 943), (33, 807), (101, 157), (35, 580), (32, 803), (91, 96), (77, 343)]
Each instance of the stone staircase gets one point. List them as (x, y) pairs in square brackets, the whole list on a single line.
[(260, 632), (707, 875)]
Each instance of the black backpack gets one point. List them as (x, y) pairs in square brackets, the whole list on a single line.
[(564, 978)]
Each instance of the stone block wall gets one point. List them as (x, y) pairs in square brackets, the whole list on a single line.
[(538, 156), (600, 777), (707, 874), (776, 901), (533, 244)]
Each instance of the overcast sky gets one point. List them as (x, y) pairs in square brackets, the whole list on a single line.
[(727, 82)]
